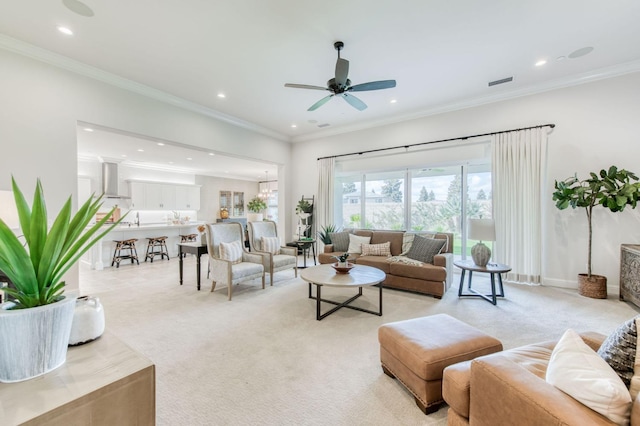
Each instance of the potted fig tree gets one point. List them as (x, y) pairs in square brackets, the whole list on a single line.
[(612, 189), (35, 325)]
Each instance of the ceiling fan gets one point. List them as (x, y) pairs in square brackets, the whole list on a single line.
[(340, 85)]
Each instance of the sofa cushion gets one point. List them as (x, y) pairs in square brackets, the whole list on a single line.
[(355, 243), (382, 249), (426, 271), (231, 251), (423, 249), (375, 261), (340, 240), (270, 244), (393, 237), (619, 350), (577, 370), (407, 240)]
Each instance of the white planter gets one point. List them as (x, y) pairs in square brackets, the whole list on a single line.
[(254, 217), (34, 341)]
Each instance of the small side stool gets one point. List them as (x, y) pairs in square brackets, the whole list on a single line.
[(416, 352), (125, 249), (156, 246)]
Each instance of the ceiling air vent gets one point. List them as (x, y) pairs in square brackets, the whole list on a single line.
[(504, 80), (324, 125)]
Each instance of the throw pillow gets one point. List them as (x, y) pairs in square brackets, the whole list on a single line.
[(407, 240), (231, 251), (383, 249), (634, 387), (619, 350), (271, 245), (340, 240), (423, 249), (355, 243), (578, 371)]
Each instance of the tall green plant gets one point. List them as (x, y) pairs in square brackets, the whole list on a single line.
[(323, 233), (256, 205), (36, 272), (612, 189)]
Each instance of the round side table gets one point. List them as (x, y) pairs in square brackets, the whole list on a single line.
[(492, 269)]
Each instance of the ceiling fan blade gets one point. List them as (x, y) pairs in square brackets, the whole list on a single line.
[(354, 102), (320, 103), (373, 85), (342, 72), (304, 86)]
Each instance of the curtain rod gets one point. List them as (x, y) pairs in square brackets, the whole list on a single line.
[(438, 141)]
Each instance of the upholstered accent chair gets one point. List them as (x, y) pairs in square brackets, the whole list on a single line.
[(263, 238), (244, 266)]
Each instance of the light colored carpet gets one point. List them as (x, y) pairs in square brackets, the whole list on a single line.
[(263, 359)]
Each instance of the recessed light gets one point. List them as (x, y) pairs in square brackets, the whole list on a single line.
[(170, 162), (293, 126), (65, 30), (212, 154), (393, 101), (541, 62), (160, 144), (140, 150), (88, 129), (189, 158), (221, 95), (123, 155)]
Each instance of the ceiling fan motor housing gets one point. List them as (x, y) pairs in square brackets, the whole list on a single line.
[(336, 88)]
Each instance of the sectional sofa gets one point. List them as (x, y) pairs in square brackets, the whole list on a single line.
[(403, 273)]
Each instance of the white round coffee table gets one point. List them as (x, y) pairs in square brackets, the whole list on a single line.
[(359, 276)]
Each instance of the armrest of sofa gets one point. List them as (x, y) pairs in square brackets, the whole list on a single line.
[(503, 392), (446, 261)]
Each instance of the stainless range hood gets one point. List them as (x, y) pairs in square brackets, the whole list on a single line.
[(110, 181)]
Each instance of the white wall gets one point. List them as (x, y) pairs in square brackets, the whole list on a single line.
[(596, 126), (41, 105)]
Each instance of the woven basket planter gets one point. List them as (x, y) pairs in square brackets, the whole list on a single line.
[(594, 287)]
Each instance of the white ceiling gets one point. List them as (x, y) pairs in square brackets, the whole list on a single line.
[(441, 53)]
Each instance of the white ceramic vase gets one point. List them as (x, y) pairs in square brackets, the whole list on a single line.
[(254, 217), (88, 321), (34, 340)]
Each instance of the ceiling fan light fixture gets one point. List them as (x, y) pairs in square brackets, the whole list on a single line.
[(340, 84)]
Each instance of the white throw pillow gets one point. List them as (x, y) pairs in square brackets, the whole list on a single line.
[(231, 251), (578, 371), (271, 245), (355, 243)]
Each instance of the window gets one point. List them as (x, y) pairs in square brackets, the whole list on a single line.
[(438, 198)]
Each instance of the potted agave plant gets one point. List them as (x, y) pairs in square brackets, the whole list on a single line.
[(35, 325)]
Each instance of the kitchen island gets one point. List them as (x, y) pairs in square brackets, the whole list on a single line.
[(100, 255)]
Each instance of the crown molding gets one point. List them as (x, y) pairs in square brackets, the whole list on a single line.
[(575, 80), (25, 49)]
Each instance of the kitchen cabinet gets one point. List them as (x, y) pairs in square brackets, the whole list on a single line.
[(137, 193), (187, 197), (163, 196), (160, 196)]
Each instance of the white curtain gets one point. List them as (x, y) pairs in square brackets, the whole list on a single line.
[(518, 165), (324, 204)]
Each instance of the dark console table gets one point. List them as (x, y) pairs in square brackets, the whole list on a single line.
[(630, 273)]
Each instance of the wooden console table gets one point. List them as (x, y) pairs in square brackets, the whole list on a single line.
[(630, 273), (103, 382)]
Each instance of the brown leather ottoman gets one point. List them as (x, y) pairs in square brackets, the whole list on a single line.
[(416, 351)]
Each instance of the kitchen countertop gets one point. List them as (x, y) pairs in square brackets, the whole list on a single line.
[(154, 226)]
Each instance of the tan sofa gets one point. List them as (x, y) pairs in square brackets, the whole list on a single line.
[(509, 388), (433, 279)]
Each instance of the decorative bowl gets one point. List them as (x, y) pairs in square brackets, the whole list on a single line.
[(343, 269)]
